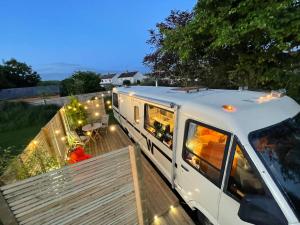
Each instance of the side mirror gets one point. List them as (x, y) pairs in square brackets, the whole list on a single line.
[(261, 210)]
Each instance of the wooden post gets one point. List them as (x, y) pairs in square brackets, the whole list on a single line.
[(137, 181), (6, 215)]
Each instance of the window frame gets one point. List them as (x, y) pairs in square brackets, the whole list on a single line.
[(236, 142), (227, 145), (149, 104), (134, 111), (115, 102)]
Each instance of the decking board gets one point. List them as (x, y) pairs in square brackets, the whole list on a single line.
[(159, 196)]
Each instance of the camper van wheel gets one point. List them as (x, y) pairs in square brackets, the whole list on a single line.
[(202, 219)]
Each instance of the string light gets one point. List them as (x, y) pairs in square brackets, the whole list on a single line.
[(171, 207), (102, 95), (96, 98), (112, 128), (108, 102), (88, 133), (69, 107), (79, 121), (63, 138), (96, 114), (88, 101), (57, 131), (74, 109), (35, 142), (79, 104), (85, 107), (109, 107), (97, 105)]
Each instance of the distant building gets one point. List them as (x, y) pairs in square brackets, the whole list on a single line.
[(108, 79), (133, 77)]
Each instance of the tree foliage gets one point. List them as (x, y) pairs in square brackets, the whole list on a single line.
[(167, 63), (16, 74), (239, 43), (81, 82)]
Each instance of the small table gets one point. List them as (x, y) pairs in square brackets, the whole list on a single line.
[(93, 128)]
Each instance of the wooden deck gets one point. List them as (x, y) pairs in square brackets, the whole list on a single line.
[(159, 197)]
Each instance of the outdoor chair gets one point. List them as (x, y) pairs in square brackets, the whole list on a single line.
[(104, 122)]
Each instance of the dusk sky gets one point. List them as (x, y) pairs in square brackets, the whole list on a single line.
[(57, 37)]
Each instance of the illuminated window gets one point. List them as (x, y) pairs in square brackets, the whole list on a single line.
[(115, 100), (160, 123), (242, 178), (136, 114), (204, 150)]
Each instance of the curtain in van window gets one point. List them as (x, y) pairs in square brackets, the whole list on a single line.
[(191, 131)]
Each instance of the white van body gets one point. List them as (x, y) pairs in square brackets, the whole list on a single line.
[(226, 118)]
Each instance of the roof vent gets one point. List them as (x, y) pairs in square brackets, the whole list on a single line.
[(190, 89)]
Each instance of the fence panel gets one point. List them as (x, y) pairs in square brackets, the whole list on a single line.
[(101, 190)]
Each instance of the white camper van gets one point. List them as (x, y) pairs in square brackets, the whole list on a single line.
[(233, 155)]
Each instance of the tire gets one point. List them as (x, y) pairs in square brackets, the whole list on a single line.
[(202, 219)]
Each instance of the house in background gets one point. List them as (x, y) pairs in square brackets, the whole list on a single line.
[(108, 79), (134, 77)]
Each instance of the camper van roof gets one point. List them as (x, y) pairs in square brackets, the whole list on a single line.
[(226, 109)]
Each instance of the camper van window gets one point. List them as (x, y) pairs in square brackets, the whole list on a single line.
[(243, 179), (115, 100), (204, 150), (136, 114), (160, 123)]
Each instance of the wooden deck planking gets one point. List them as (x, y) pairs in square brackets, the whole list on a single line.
[(159, 196), (107, 142)]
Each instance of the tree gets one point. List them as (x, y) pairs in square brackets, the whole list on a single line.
[(167, 63), (81, 82), (250, 43), (17, 74)]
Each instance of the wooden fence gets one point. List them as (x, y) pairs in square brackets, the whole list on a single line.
[(48, 150), (65, 100), (101, 190)]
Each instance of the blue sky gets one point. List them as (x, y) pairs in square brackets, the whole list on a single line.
[(59, 36)]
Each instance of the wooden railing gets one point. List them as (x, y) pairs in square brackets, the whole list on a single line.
[(102, 190)]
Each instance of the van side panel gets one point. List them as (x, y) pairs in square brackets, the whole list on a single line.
[(158, 152)]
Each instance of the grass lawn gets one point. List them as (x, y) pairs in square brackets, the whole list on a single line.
[(19, 123), (18, 139)]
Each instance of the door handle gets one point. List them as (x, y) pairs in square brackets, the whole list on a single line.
[(183, 167)]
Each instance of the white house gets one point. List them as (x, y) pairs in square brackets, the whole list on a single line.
[(108, 79), (134, 77)]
